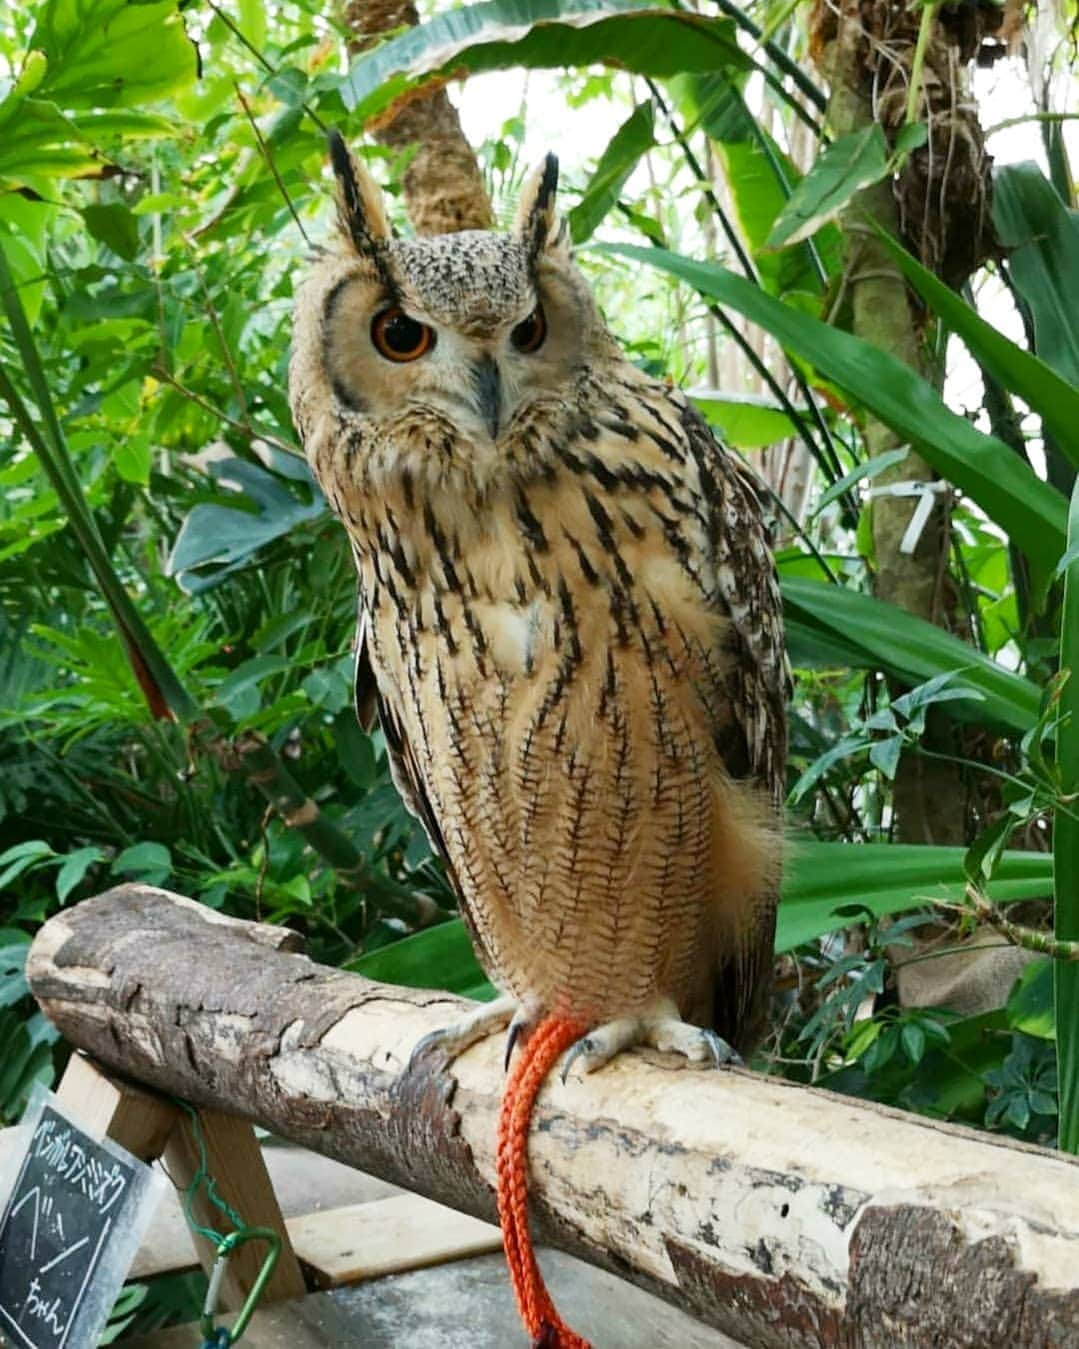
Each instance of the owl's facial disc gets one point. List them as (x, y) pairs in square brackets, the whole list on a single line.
[(463, 328)]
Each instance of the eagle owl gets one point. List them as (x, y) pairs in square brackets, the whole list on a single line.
[(569, 625)]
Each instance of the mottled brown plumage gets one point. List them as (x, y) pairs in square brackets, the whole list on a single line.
[(569, 622)]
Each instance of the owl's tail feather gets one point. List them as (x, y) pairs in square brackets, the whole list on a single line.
[(530, 1068)]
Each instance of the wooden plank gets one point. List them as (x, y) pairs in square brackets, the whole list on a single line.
[(234, 1160), (303, 1181), (386, 1236)]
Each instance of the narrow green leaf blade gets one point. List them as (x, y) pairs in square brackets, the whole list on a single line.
[(633, 138), (1047, 394), (843, 168), (1033, 513), (156, 676), (1042, 239), (1066, 853), (870, 634), (887, 878)]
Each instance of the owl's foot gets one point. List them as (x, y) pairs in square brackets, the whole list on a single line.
[(661, 1028), (460, 1035)]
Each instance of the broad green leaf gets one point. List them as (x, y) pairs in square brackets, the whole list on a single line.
[(1054, 399), (633, 36), (1042, 239), (887, 878), (249, 674), (948, 1083), (22, 857), (1066, 852), (147, 862), (748, 421), (133, 457), (759, 177), (438, 957), (76, 865), (1030, 1004), (843, 168), (215, 538), (112, 53), (867, 633), (38, 141), (632, 139), (991, 474), (13, 985), (115, 227)]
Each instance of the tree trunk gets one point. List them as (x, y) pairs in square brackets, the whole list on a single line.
[(929, 796), (782, 1215), (442, 184)]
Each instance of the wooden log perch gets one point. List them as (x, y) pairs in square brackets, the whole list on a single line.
[(782, 1215)]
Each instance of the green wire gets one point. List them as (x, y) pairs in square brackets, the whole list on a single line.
[(202, 1177)]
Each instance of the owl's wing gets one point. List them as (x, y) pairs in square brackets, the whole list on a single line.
[(403, 768), (754, 745), (748, 595)]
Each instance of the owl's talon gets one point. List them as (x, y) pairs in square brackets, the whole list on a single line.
[(660, 1028), (460, 1035), (584, 1046), (520, 1025), (425, 1043), (722, 1053)]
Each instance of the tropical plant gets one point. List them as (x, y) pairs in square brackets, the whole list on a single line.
[(177, 606)]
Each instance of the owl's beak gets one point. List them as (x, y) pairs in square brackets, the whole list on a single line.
[(487, 383)]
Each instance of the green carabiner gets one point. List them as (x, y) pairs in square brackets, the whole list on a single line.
[(212, 1334)]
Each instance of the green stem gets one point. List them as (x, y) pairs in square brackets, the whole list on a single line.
[(914, 89), (1030, 117), (776, 53), (1029, 938)]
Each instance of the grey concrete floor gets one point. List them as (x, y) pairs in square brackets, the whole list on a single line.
[(466, 1304)]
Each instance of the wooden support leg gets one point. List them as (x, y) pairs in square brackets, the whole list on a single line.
[(234, 1160), (150, 1126), (139, 1121)]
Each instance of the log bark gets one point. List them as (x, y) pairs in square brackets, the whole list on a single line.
[(782, 1215)]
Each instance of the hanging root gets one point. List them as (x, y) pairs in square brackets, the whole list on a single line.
[(551, 1037)]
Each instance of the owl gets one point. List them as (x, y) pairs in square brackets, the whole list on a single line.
[(569, 625)]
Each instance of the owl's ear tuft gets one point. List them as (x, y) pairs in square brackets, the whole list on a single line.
[(537, 224), (360, 212)]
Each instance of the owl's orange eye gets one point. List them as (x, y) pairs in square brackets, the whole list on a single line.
[(530, 333), (399, 338)]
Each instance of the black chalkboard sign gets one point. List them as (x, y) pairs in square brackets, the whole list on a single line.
[(70, 1227)]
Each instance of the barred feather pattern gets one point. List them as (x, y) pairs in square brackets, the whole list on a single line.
[(577, 656)]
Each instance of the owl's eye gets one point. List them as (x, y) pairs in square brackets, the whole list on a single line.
[(530, 333), (399, 338)]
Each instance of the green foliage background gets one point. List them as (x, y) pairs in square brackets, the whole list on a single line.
[(172, 589)]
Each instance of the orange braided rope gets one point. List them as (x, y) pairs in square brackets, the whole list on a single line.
[(531, 1066)]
